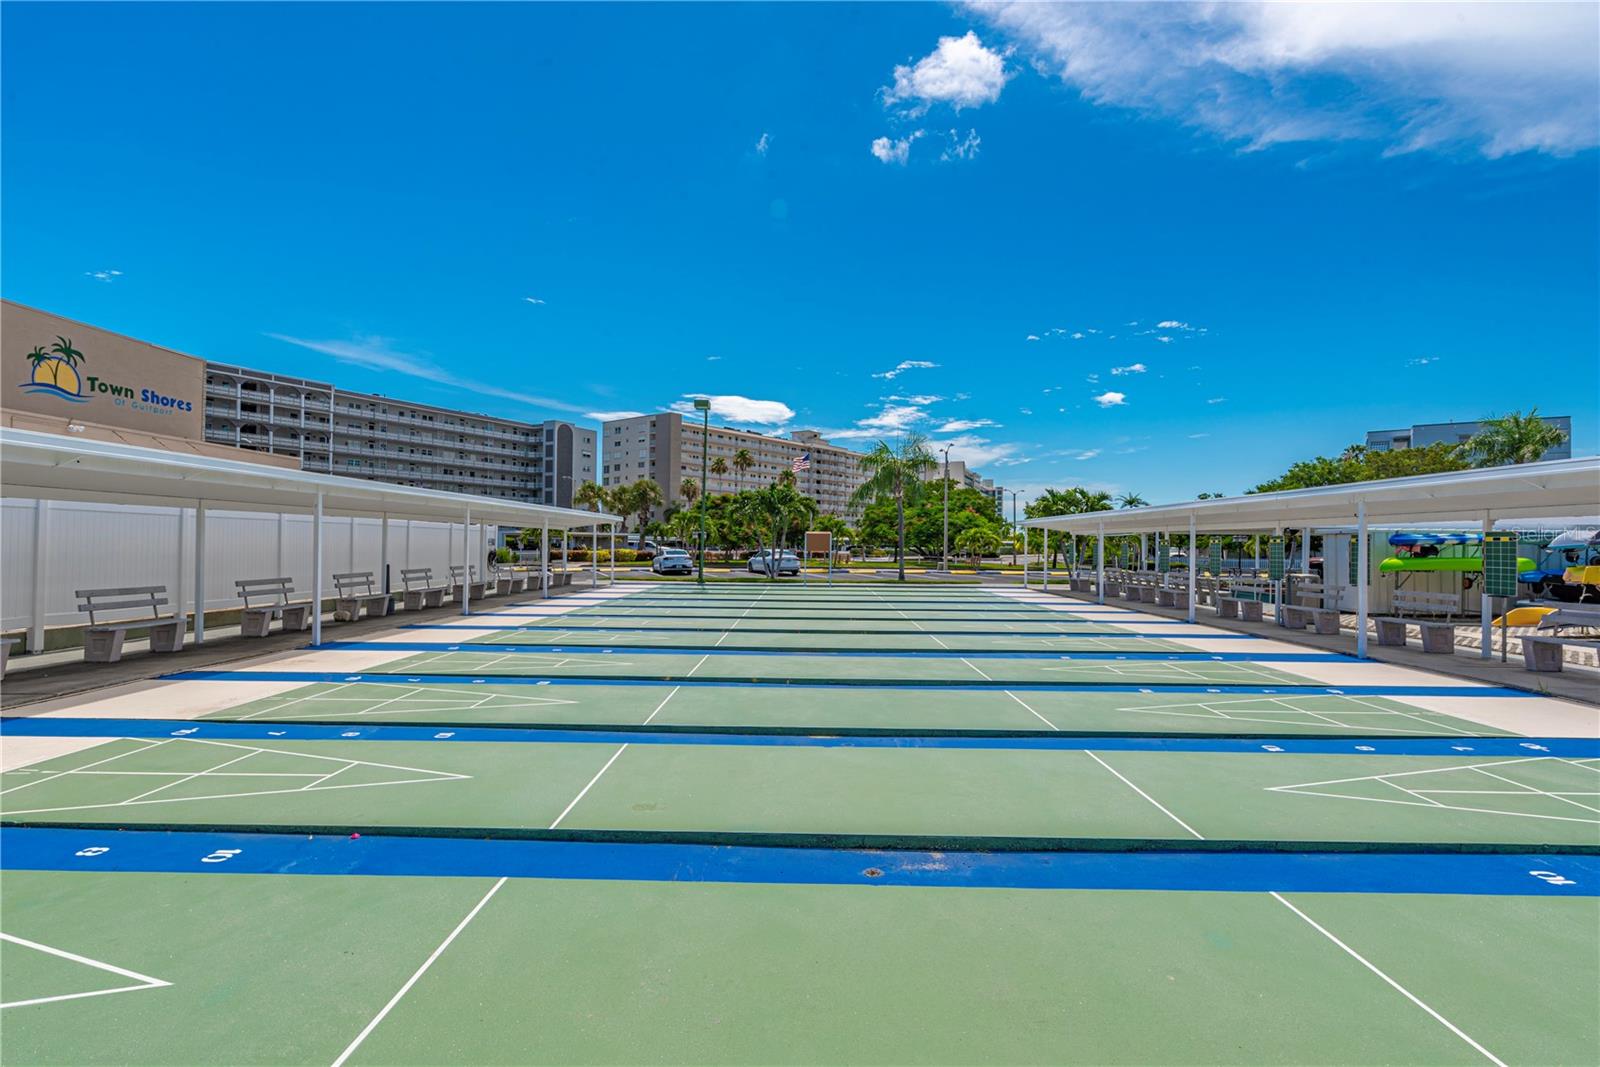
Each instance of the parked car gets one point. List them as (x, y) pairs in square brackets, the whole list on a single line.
[(765, 561), (672, 561)]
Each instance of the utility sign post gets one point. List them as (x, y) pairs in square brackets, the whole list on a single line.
[(818, 541)]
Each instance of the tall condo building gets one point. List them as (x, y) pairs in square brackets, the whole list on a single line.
[(667, 448), (366, 435)]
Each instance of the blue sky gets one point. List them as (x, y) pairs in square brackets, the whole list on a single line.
[(1166, 249)]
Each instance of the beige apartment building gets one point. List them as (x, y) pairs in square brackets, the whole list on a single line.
[(667, 448), (961, 474), (368, 435)]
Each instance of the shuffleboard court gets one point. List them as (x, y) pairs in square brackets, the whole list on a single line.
[(857, 708), (618, 663), (683, 786), (621, 828), (615, 969)]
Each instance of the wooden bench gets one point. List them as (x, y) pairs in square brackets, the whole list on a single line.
[(420, 592), (509, 580), (1438, 637), (5, 651), (469, 575), (1544, 654), (1559, 619), (256, 619), (354, 591), (102, 641), (1238, 605)]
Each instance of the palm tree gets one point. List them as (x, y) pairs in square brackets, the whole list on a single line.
[(1074, 501), (38, 356), (978, 541), (895, 474), (774, 510), (742, 462), (644, 498), (1132, 500), (690, 490), (589, 495), (719, 467), (1513, 438)]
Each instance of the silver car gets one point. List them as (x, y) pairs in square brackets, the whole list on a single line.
[(764, 562)]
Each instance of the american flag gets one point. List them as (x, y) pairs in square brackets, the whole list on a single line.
[(802, 463)]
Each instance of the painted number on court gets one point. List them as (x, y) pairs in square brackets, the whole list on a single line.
[(221, 855), (1552, 877)]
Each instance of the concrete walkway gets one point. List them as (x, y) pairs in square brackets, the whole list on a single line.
[(1578, 683)]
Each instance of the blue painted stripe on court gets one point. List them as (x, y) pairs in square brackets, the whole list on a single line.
[(1556, 747), (186, 852), (1218, 636), (829, 653), (823, 684)]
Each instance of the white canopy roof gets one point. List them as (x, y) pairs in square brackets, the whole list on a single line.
[(55, 467), (1524, 491)]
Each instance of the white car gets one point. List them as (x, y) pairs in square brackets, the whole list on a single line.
[(672, 561), (764, 562)]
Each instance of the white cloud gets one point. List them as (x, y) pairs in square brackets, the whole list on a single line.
[(1092, 379), (961, 147), (1198, 436), (1132, 368), (738, 409), (978, 451), (611, 416), (903, 366), (1173, 324), (1111, 398), (962, 425), (1423, 361), (1164, 340), (1087, 453), (533, 300), (376, 353), (1216, 400), (763, 144), (1033, 337), (1078, 336), (920, 399), (960, 71), (897, 150), (712, 359), (1026, 411), (1501, 78), (103, 275)]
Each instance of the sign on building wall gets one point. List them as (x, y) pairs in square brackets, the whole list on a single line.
[(1275, 558), (63, 369), (1214, 557)]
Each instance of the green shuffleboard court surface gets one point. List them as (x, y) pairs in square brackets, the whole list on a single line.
[(284, 969), (687, 788), (736, 667), (867, 709), (952, 825)]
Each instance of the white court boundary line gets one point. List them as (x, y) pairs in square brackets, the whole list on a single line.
[(420, 971), (144, 980), (1396, 986)]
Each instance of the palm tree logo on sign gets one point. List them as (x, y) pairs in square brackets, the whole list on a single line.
[(56, 372)]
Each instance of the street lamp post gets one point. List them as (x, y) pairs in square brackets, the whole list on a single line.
[(1014, 527), (944, 550), (703, 406)]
